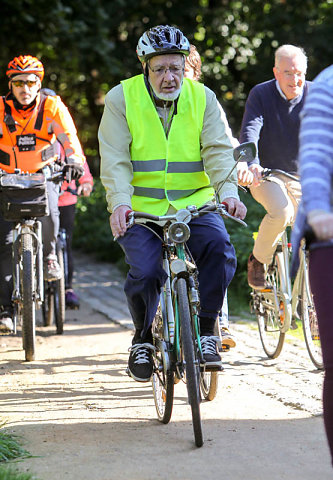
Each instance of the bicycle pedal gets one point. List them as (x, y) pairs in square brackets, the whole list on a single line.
[(225, 348)]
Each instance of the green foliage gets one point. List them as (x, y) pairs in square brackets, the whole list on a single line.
[(11, 474), (88, 46), (10, 447), (242, 239), (92, 231)]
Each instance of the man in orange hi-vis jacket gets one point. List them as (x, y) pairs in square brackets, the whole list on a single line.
[(30, 124)]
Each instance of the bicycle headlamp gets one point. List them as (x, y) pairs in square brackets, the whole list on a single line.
[(179, 232)]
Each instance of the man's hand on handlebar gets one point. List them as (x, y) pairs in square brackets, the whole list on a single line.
[(244, 174), (256, 170), (118, 221), (73, 171), (235, 207), (85, 189)]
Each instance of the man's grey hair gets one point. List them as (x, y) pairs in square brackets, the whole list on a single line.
[(290, 51)]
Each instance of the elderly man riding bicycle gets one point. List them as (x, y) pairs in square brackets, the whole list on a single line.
[(164, 146), (30, 124)]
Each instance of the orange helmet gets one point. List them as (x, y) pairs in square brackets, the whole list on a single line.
[(25, 64)]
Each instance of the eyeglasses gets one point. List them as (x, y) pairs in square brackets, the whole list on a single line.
[(290, 74), (21, 83), (173, 69)]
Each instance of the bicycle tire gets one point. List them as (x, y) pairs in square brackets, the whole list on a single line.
[(28, 307), (48, 305), (192, 365), (209, 385), (310, 326), (209, 380), (59, 296), (269, 323), (163, 376)]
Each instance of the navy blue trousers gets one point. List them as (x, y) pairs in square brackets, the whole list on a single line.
[(213, 253)]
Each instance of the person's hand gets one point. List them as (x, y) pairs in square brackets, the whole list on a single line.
[(85, 189), (235, 207), (245, 176), (256, 170), (322, 225), (73, 171), (118, 221)]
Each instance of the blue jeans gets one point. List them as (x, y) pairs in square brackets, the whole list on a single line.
[(212, 251)]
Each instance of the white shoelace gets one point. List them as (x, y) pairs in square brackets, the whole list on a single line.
[(141, 350), (208, 345)]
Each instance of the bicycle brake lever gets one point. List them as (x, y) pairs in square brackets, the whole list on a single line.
[(225, 213)]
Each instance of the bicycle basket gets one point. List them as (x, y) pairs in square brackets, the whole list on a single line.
[(23, 196)]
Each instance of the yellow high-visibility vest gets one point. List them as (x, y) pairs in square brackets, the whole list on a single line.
[(166, 171)]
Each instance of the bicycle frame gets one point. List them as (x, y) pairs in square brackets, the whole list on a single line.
[(33, 228), (169, 306), (291, 291)]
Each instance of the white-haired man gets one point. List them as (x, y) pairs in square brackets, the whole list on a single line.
[(163, 143), (271, 120)]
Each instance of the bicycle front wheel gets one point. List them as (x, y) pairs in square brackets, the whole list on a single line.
[(269, 320), (163, 376), (59, 296), (310, 324), (28, 308), (192, 364)]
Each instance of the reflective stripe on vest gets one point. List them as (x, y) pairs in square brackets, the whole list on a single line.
[(166, 171)]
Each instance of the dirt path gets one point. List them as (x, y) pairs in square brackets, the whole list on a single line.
[(84, 418)]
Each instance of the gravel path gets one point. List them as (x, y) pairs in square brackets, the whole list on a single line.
[(83, 418)]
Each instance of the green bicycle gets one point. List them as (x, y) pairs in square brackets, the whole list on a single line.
[(176, 337)]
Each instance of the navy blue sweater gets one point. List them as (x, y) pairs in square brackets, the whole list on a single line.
[(272, 123)]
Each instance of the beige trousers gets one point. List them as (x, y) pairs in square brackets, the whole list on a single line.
[(280, 197)]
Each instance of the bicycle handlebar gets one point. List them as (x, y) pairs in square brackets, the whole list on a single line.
[(266, 172), (183, 215)]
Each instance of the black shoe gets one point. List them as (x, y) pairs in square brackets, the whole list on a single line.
[(140, 362), (210, 353)]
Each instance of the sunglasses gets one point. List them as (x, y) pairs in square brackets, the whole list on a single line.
[(21, 83)]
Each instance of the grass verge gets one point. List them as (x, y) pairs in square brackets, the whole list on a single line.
[(10, 449)]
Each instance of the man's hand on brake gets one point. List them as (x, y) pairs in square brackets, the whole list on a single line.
[(235, 207), (118, 221), (73, 171)]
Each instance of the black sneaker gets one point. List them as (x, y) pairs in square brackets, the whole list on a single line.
[(140, 362), (210, 353)]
